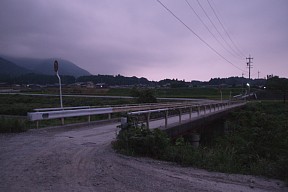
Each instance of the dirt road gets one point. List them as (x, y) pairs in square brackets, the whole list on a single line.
[(82, 160)]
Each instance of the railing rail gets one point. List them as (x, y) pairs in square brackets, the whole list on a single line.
[(61, 113)]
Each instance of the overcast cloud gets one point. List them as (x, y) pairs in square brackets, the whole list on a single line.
[(141, 38)]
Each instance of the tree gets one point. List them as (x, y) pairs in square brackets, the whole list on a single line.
[(143, 95)]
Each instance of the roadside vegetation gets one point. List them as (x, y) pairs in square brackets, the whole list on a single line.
[(256, 142), (13, 125)]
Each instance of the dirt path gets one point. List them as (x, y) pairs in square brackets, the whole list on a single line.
[(82, 160)]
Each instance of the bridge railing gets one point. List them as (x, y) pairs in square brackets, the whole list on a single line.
[(61, 113), (217, 106)]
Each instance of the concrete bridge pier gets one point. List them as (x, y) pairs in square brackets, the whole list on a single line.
[(194, 139)]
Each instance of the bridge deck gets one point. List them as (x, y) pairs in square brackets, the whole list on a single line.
[(174, 121)]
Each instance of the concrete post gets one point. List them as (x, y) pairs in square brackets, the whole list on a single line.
[(123, 120)]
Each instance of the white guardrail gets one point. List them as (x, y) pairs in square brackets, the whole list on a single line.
[(36, 116), (58, 113)]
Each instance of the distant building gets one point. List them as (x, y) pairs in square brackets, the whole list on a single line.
[(101, 85)]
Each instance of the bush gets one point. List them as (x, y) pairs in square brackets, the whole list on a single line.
[(138, 140)]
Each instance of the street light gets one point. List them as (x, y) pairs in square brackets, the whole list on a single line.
[(248, 85), (56, 66)]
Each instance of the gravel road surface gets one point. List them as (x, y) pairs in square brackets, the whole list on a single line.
[(81, 159)]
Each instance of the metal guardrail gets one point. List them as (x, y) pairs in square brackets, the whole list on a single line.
[(36, 116), (54, 113), (61, 113)]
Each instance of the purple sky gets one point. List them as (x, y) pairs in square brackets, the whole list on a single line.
[(141, 38)]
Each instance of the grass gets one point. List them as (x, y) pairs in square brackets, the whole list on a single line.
[(13, 125)]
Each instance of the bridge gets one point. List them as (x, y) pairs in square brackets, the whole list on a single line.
[(175, 118), (185, 118)]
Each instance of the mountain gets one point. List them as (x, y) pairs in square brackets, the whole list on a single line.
[(11, 69), (45, 66)]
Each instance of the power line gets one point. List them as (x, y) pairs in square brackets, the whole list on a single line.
[(225, 29), (217, 29), (208, 28), (197, 35)]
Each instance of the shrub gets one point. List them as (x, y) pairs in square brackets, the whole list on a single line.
[(138, 140)]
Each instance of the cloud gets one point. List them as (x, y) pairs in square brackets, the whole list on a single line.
[(133, 37)]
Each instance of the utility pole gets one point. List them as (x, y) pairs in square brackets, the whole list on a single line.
[(249, 65), (258, 74)]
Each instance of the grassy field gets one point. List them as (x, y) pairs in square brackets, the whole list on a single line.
[(208, 93)]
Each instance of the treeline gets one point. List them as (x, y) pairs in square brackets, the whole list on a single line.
[(115, 80), (32, 78), (231, 81)]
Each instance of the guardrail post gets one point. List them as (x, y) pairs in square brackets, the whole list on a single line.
[(147, 120), (37, 124), (166, 119), (190, 114), (198, 110), (109, 116), (89, 118), (62, 121), (180, 115), (204, 109), (210, 108)]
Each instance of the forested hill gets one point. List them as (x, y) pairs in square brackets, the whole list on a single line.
[(8, 68), (41, 66)]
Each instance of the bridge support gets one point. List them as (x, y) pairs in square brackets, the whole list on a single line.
[(195, 140)]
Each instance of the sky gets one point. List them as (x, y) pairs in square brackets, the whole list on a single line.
[(183, 39)]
